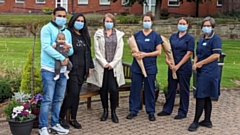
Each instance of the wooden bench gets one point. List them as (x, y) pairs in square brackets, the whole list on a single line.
[(89, 90)]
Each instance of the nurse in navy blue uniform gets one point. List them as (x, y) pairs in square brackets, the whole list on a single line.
[(208, 51), (182, 44), (149, 44)]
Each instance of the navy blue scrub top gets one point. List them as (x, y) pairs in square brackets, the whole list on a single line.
[(205, 48), (180, 46), (147, 44)]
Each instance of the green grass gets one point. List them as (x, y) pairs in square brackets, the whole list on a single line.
[(14, 51)]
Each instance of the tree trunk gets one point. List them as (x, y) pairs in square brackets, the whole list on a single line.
[(158, 9)]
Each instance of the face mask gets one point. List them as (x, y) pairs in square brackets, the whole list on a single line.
[(182, 28), (108, 25), (60, 21), (147, 25), (206, 30), (78, 25)]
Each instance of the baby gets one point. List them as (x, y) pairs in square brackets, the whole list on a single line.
[(61, 46)]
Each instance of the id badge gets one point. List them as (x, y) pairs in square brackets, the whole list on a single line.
[(147, 40)]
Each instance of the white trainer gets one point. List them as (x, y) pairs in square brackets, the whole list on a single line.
[(58, 129), (43, 131)]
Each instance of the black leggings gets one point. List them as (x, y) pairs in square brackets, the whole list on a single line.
[(109, 85), (206, 104), (71, 101)]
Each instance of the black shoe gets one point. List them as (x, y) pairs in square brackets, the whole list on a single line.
[(104, 115), (64, 123), (193, 127), (162, 113), (131, 115), (151, 117), (178, 117), (75, 124), (206, 124), (114, 117)]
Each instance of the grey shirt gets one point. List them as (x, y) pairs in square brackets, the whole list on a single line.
[(110, 45)]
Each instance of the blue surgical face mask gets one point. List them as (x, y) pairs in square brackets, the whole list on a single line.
[(78, 25), (108, 25), (147, 25), (60, 21), (182, 28), (206, 30)]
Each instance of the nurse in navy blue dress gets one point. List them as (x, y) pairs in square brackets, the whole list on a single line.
[(149, 44), (208, 51), (182, 44)]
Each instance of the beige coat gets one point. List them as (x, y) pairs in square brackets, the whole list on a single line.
[(99, 61)]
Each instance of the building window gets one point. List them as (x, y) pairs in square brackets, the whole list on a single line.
[(1, 1), (40, 1), (219, 3), (173, 3), (125, 2), (104, 2), (82, 1), (150, 6), (19, 1)]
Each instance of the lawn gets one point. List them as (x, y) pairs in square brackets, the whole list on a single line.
[(14, 54)]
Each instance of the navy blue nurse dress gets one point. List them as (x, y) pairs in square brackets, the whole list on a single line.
[(208, 74)]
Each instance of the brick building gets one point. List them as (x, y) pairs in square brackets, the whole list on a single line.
[(104, 6)]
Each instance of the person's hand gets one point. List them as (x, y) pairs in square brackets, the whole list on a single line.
[(89, 72), (169, 63), (175, 68), (64, 62), (199, 64), (194, 67), (110, 67), (136, 55), (142, 55), (106, 66)]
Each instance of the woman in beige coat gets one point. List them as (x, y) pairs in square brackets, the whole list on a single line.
[(108, 71)]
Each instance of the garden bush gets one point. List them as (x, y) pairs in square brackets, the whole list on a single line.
[(26, 78)]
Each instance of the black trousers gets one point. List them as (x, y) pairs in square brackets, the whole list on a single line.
[(71, 100), (109, 85)]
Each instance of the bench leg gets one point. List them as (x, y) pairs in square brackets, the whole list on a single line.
[(89, 101)]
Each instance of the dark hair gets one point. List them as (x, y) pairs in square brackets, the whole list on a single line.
[(210, 19), (110, 16), (149, 14), (84, 31), (58, 9), (183, 18)]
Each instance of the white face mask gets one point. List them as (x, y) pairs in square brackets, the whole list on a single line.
[(207, 30)]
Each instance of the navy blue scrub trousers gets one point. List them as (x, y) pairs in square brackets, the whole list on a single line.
[(184, 81), (135, 93)]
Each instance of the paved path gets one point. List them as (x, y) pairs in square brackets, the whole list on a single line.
[(225, 118)]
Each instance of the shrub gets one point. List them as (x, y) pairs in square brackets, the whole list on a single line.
[(47, 9), (94, 19), (26, 77), (129, 19), (5, 89)]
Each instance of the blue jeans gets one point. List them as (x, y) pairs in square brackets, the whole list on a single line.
[(53, 94)]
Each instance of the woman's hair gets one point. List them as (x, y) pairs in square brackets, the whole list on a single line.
[(84, 31), (210, 19), (183, 18), (149, 14), (110, 16)]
